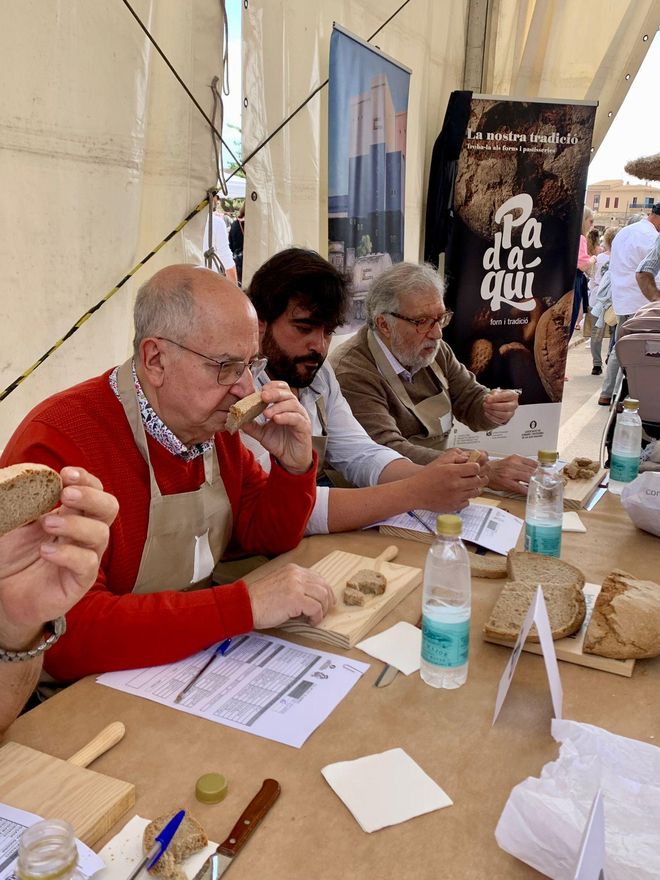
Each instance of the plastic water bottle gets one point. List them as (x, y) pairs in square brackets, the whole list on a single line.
[(626, 447), (545, 507), (446, 608)]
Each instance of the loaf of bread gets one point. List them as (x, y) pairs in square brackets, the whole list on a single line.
[(625, 622), (190, 837), (550, 346), (26, 492), (533, 568), (244, 410), (565, 604), (487, 566)]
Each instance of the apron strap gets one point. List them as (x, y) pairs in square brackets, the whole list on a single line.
[(128, 399)]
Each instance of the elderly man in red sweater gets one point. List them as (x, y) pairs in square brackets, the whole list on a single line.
[(153, 431)]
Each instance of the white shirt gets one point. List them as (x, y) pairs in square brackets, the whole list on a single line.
[(220, 241), (651, 262), (629, 248), (350, 450)]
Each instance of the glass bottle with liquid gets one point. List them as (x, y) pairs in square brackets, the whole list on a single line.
[(545, 507), (47, 851), (446, 608), (626, 447)]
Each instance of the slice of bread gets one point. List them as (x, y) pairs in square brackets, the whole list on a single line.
[(190, 837), (244, 410), (26, 492), (565, 604), (369, 582), (487, 566), (354, 597), (533, 568), (625, 622)]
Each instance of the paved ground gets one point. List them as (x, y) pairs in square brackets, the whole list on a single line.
[(582, 420)]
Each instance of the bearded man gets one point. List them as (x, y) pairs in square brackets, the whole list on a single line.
[(404, 384), (300, 300)]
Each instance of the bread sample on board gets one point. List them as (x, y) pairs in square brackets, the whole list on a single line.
[(26, 492), (189, 839), (244, 410), (625, 622), (365, 583), (538, 569), (565, 604)]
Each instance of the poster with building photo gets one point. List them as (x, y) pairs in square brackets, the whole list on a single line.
[(511, 258), (367, 119)]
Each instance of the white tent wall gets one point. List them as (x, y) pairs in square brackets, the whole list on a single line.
[(102, 154), (561, 49), (285, 56), (571, 50)]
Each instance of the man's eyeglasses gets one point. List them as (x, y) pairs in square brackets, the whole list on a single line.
[(423, 325), (229, 372)]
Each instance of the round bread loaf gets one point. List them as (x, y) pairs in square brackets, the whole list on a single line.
[(26, 492)]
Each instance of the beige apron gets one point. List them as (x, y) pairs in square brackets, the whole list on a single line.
[(188, 532), (434, 413), (320, 443)]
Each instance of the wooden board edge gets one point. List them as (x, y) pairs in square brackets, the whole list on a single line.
[(589, 661)]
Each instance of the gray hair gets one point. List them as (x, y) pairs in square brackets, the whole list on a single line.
[(384, 293), (164, 306)]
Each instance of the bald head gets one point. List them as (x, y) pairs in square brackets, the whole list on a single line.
[(178, 299)]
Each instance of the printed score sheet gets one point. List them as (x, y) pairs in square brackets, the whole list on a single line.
[(262, 685)]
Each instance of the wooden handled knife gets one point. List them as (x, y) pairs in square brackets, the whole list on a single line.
[(248, 821)]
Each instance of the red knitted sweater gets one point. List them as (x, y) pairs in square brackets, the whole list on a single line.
[(110, 628)]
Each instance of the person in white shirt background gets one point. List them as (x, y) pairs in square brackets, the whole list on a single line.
[(221, 247), (602, 260), (629, 248)]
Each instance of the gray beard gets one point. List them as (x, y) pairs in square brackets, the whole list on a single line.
[(412, 361)]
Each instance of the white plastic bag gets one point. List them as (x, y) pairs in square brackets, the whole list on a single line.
[(543, 820), (641, 501)]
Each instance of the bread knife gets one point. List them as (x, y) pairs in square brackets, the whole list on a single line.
[(215, 866), (388, 673)]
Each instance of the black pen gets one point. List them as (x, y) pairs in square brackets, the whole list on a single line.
[(420, 520)]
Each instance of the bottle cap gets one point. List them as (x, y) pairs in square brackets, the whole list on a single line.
[(449, 524), (211, 788), (546, 456), (630, 403)]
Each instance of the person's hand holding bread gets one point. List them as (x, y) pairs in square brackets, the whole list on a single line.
[(47, 565), (292, 591), (287, 432)]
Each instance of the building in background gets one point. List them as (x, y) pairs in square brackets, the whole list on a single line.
[(614, 201)]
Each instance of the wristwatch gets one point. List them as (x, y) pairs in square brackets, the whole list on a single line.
[(57, 628)]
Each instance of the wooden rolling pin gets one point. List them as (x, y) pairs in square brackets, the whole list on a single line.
[(96, 747), (388, 554)]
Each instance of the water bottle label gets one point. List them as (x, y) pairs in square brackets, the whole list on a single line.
[(543, 539), (445, 644), (624, 468)]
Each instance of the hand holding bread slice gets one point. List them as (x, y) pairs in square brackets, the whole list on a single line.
[(243, 411), (26, 492)]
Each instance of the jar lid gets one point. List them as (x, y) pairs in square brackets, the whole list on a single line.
[(449, 524), (630, 403), (211, 788), (547, 456)]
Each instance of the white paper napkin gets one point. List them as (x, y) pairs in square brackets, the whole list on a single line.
[(124, 851), (385, 789), (571, 522), (400, 646)]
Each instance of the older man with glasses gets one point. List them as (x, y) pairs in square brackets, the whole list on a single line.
[(404, 384), (153, 430)]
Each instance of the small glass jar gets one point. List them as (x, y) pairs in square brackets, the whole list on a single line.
[(47, 851)]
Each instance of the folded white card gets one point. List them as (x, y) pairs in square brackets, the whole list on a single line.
[(400, 646), (571, 522), (385, 789), (122, 853)]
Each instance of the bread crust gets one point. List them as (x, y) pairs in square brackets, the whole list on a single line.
[(244, 410), (27, 491), (189, 838), (550, 345), (520, 565), (625, 622), (487, 566)]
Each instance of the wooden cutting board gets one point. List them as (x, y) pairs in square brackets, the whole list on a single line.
[(57, 789), (345, 625), (578, 492)]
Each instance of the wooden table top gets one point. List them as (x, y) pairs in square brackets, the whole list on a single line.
[(309, 833)]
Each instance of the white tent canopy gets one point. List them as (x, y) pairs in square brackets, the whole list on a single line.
[(104, 154)]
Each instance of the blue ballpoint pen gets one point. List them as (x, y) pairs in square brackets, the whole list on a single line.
[(163, 840), (221, 650), (420, 520)]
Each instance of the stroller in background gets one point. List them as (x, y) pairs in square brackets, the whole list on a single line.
[(638, 352)]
